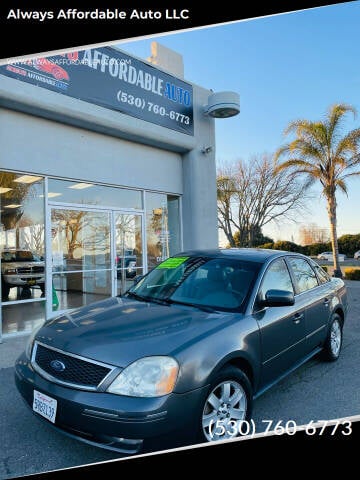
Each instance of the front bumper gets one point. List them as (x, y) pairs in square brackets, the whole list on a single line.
[(115, 422), (21, 280)]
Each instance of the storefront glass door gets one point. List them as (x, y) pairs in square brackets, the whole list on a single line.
[(128, 238), (95, 254), (81, 257)]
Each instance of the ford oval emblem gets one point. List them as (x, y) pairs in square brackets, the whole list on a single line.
[(57, 365)]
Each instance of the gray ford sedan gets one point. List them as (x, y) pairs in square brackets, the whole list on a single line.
[(181, 356)]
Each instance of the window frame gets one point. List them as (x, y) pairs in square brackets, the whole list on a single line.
[(315, 266), (258, 308)]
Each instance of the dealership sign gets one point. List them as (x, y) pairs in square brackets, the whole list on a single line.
[(110, 78)]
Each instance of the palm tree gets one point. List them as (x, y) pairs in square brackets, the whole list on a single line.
[(322, 152)]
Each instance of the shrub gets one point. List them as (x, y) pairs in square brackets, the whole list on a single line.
[(352, 274), (349, 244), (288, 246), (269, 245), (315, 248)]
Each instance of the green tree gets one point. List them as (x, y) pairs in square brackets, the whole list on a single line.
[(349, 244), (316, 248), (322, 152), (257, 237)]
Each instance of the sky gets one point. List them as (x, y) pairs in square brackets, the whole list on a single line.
[(284, 67)]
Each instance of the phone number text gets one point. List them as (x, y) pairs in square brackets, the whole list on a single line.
[(219, 429), (142, 104)]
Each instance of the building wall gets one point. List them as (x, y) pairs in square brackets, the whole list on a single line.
[(49, 133), (36, 145)]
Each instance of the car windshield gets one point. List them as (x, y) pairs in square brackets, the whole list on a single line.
[(19, 256), (206, 283)]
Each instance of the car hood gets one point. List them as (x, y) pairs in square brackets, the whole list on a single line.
[(7, 265), (118, 330)]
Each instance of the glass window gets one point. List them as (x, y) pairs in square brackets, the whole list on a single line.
[(76, 289), (322, 275), (304, 275), (128, 245), (217, 283), (163, 227), (21, 238), (81, 257), (86, 193), (80, 240), (276, 277), (174, 224)]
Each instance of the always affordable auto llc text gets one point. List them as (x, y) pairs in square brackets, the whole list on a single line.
[(97, 14)]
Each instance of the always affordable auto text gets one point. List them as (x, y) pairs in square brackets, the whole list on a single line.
[(97, 14)]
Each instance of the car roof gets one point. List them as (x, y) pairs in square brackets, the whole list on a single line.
[(259, 255)]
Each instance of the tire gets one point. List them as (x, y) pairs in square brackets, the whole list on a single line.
[(42, 288), (5, 290), (333, 342), (227, 383)]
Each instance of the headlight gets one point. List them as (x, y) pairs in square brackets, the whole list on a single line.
[(10, 271), (31, 340), (147, 377)]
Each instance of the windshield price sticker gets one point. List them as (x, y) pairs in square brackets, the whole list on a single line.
[(172, 262)]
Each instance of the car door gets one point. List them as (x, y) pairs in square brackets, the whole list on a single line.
[(282, 329), (316, 292)]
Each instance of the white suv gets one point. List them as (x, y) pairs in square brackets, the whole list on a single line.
[(21, 268), (357, 255)]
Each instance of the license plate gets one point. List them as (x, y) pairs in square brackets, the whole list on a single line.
[(31, 282), (45, 406)]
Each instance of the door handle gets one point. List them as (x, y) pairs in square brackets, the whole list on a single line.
[(297, 318)]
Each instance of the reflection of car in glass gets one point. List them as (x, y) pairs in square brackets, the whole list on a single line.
[(21, 268), (45, 65), (181, 355), (329, 256), (127, 262)]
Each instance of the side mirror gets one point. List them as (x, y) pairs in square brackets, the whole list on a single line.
[(278, 298)]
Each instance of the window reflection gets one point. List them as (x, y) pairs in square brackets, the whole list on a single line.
[(276, 277), (22, 237), (304, 274), (163, 227), (80, 240), (72, 290), (128, 245)]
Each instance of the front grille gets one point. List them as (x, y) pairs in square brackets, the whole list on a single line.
[(24, 270), (77, 372), (38, 269)]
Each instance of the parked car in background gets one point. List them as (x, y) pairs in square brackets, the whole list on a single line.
[(126, 263), (21, 268), (329, 256), (357, 255), (181, 355)]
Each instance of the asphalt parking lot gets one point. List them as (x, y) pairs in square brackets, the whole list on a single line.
[(316, 391)]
